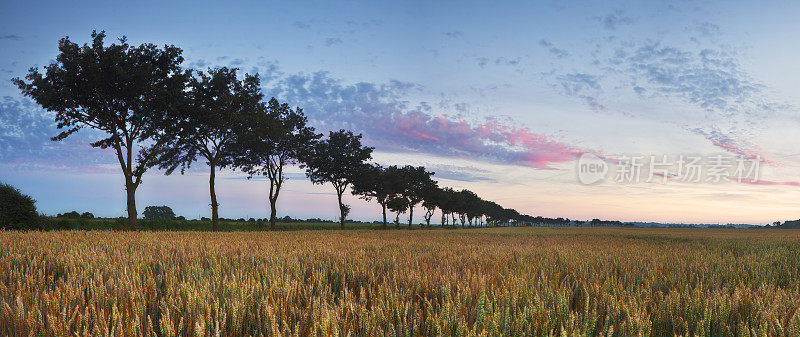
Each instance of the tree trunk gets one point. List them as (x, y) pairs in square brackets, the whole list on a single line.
[(273, 212), (214, 205), (341, 208), (410, 216), (444, 219), (385, 226), (130, 188)]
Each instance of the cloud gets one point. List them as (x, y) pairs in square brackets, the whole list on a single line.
[(482, 61), (454, 34), (708, 79), (558, 52), (303, 24), (199, 64), (513, 62), (614, 20), (459, 173), (333, 40), (582, 85), (11, 37), (770, 183), (707, 29), (730, 144), (25, 132), (392, 124), (711, 79)]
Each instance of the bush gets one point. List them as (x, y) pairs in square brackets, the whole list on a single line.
[(158, 213), (17, 210), (70, 215)]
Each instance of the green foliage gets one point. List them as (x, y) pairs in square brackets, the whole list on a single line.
[(124, 92), (17, 211), (158, 213), (212, 116), (272, 140), (397, 204), (337, 160)]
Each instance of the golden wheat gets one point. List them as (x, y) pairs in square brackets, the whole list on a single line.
[(484, 282)]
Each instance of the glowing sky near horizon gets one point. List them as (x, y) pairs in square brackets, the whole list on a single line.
[(500, 99)]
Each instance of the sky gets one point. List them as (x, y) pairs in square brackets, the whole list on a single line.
[(502, 99)]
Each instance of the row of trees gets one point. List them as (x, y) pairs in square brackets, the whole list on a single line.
[(154, 113)]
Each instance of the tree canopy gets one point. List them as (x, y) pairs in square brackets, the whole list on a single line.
[(217, 107), (273, 140), (337, 160), (126, 92)]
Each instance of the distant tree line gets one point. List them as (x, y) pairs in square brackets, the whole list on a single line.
[(154, 113)]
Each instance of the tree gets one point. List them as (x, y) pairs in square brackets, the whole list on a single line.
[(446, 203), (431, 199), (214, 115), (121, 90), (274, 140), (416, 180), (87, 215), (398, 204), (337, 160), (17, 210), (375, 181), (70, 215), (158, 213), (471, 205)]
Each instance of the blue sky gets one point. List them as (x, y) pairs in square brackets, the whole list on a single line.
[(497, 98)]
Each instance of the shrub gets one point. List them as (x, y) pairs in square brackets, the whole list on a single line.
[(17, 210), (70, 215), (158, 213)]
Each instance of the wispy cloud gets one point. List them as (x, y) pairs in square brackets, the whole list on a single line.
[(459, 173), (613, 20), (333, 40), (730, 144), (771, 183), (558, 52), (393, 124), (25, 132), (582, 85), (10, 37)]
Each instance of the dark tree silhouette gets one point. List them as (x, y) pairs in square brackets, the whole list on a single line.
[(415, 181), (213, 116), (121, 90), (274, 140), (446, 202), (158, 213), (337, 160), (17, 210), (431, 199), (374, 181), (471, 205), (398, 204)]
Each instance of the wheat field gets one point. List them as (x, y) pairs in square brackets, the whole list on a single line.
[(478, 282)]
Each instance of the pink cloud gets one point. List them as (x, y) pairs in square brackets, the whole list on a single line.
[(740, 147), (390, 124), (771, 183), (490, 140)]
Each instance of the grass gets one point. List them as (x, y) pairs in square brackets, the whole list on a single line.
[(489, 281)]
